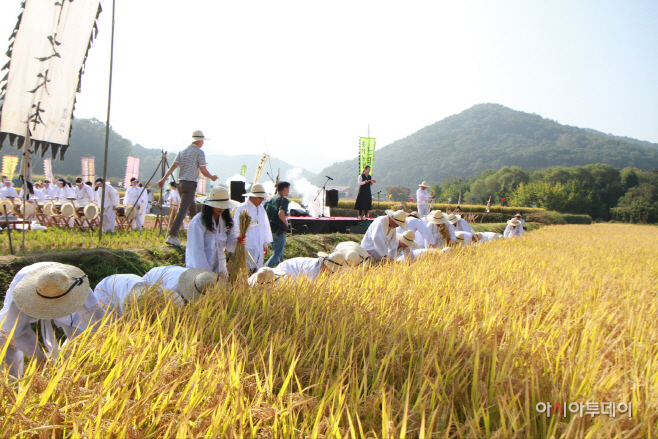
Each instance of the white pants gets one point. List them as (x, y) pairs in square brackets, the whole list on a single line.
[(423, 209), (109, 219)]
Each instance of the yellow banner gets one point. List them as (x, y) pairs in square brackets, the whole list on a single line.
[(366, 153), (9, 163)]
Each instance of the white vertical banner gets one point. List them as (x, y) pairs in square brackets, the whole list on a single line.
[(47, 52), (88, 169), (48, 170), (132, 170), (260, 168), (202, 186)]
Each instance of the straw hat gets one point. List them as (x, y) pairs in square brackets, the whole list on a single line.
[(198, 135), (514, 222), (193, 281), (460, 237), (91, 211), (437, 217), (414, 215), (348, 247), (452, 218), (334, 261), (352, 259), (68, 210), (399, 217), (257, 190), (220, 199), (52, 292), (408, 238), (424, 184), (265, 276)]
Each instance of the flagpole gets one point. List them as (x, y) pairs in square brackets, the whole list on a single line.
[(107, 127)]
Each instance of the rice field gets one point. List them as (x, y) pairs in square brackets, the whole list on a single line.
[(463, 345)]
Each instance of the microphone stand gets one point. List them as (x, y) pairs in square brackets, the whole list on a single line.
[(378, 202), (323, 190)]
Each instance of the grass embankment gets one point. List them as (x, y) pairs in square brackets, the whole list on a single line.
[(462, 345)]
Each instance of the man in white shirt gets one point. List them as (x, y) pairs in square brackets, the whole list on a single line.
[(132, 196), (83, 193), (111, 203), (380, 240), (514, 229), (310, 267), (460, 224), (8, 190), (48, 292), (423, 198), (260, 232), (47, 189), (423, 236)]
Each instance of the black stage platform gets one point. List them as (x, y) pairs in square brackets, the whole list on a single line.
[(302, 225)]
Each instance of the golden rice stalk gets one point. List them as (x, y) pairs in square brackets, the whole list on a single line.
[(444, 233), (238, 263)]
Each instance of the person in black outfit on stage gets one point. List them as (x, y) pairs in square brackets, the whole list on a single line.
[(364, 197)]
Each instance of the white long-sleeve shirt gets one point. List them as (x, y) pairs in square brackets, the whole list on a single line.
[(84, 195), (380, 240), (488, 236), (513, 231), (423, 198), (463, 226), (174, 198), (424, 237), (48, 191), (113, 290), (24, 341), (38, 195), (298, 267), (132, 197), (166, 278), (65, 193), (111, 196), (464, 238), (258, 234), (206, 248), (6, 192), (436, 233)]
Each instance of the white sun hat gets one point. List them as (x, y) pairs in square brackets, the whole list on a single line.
[(399, 217), (514, 222), (265, 276), (220, 199), (348, 247), (452, 218), (334, 262), (408, 238), (194, 281), (52, 292), (424, 183), (257, 190), (437, 217), (198, 135)]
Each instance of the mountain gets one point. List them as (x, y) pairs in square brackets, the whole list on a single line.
[(88, 140), (490, 136)]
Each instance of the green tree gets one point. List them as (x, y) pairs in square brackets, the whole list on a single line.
[(398, 193)]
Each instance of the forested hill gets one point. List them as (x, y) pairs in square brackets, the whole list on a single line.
[(88, 140), (490, 136)]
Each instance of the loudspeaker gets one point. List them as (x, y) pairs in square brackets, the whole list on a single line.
[(238, 191), (332, 198)]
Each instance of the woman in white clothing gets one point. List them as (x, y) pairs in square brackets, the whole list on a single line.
[(211, 233), (48, 292), (514, 228)]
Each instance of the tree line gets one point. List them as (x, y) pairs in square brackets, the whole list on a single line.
[(598, 190)]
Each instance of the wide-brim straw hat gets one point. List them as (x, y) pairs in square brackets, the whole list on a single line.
[(437, 217), (408, 238), (514, 222), (348, 247), (452, 218), (257, 190), (68, 209), (334, 261), (265, 276), (91, 211), (460, 237), (198, 135), (52, 292), (414, 214), (220, 199), (399, 217), (424, 184), (193, 281)]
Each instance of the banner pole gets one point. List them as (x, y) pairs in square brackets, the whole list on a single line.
[(107, 127)]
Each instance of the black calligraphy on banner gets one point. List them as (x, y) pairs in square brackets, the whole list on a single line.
[(35, 117)]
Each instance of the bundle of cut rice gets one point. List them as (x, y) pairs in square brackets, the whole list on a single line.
[(238, 263)]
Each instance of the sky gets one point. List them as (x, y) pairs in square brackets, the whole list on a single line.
[(303, 80)]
